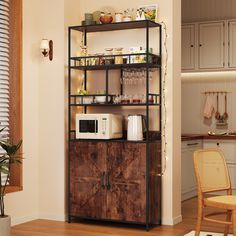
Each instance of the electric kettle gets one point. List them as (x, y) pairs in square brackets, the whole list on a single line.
[(135, 127)]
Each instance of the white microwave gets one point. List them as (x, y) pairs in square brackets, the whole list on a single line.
[(99, 126)]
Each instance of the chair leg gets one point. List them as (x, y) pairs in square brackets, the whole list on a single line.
[(234, 222), (199, 220), (228, 218)]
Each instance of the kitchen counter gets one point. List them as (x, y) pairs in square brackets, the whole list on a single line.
[(188, 137)]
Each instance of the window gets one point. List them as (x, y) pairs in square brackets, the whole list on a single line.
[(10, 78), (4, 71)]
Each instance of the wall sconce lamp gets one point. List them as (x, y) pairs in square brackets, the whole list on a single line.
[(46, 48)]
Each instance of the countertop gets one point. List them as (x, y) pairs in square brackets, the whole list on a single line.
[(188, 137)]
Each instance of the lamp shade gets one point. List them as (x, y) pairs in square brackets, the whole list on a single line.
[(44, 45)]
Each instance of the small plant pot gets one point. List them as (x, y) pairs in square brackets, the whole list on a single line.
[(5, 226)]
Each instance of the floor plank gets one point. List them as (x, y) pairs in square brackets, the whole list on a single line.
[(56, 228)]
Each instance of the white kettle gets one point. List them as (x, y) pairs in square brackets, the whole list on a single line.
[(135, 127)]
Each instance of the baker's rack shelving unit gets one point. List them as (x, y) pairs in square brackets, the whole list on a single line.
[(152, 61)]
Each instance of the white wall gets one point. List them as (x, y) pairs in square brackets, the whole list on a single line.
[(44, 107), (51, 114), (176, 116), (202, 10), (193, 84), (43, 116)]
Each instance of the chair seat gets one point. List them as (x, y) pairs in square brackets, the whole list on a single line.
[(227, 202)]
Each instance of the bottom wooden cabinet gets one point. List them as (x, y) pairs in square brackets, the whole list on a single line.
[(87, 168), (126, 166), (108, 180)]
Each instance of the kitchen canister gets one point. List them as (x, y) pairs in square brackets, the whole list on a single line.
[(118, 17), (118, 59), (88, 16)]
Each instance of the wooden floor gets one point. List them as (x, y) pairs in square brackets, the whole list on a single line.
[(56, 228)]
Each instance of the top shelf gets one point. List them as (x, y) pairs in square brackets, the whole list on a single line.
[(116, 26)]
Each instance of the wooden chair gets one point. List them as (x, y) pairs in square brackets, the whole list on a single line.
[(212, 175)]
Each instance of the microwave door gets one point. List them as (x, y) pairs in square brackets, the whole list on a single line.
[(88, 126)]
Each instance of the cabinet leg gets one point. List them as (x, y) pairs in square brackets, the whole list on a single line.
[(147, 227), (69, 219)]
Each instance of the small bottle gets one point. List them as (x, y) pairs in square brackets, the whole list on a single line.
[(142, 15), (118, 59), (109, 60), (83, 53), (138, 14)]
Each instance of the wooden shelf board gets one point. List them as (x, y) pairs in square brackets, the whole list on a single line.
[(116, 26)]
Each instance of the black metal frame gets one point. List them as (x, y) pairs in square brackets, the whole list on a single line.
[(146, 24)]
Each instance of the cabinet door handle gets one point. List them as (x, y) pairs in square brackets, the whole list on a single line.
[(192, 144), (200, 45), (108, 181), (102, 179), (218, 144), (191, 46)]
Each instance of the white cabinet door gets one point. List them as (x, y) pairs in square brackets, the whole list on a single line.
[(229, 149), (188, 47), (188, 183), (211, 45), (187, 175), (232, 44), (232, 174), (227, 146)]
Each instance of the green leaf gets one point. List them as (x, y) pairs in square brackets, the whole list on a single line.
[(10, 149), (4, 165), (4, 171)]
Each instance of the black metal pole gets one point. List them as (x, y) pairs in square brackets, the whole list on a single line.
[(160, 79), (147, 126), (85, 71), (69, 125), (160, 110), (121, 81), (107, 85)]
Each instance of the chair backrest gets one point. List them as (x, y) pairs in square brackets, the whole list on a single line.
[(211, 170)]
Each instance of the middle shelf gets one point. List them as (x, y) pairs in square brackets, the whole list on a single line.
[(116, 61), (113, 100)]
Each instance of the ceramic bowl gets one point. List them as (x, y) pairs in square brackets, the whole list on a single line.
[(106, 19), (102, 99)]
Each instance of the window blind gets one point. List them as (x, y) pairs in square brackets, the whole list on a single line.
[(4, 70)]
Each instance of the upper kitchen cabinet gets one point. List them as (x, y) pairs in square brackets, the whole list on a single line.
[(232, 44), (211, 45), (188, 47)]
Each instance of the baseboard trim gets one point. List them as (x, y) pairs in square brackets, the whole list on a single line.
[(52, 217), (24, 219), (172, 221), (188, 194)]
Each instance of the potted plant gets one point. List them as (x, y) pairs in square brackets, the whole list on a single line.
[(7, 157)]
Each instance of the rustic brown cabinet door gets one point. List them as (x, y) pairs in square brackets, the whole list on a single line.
[(87, 179), (126, 192)]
